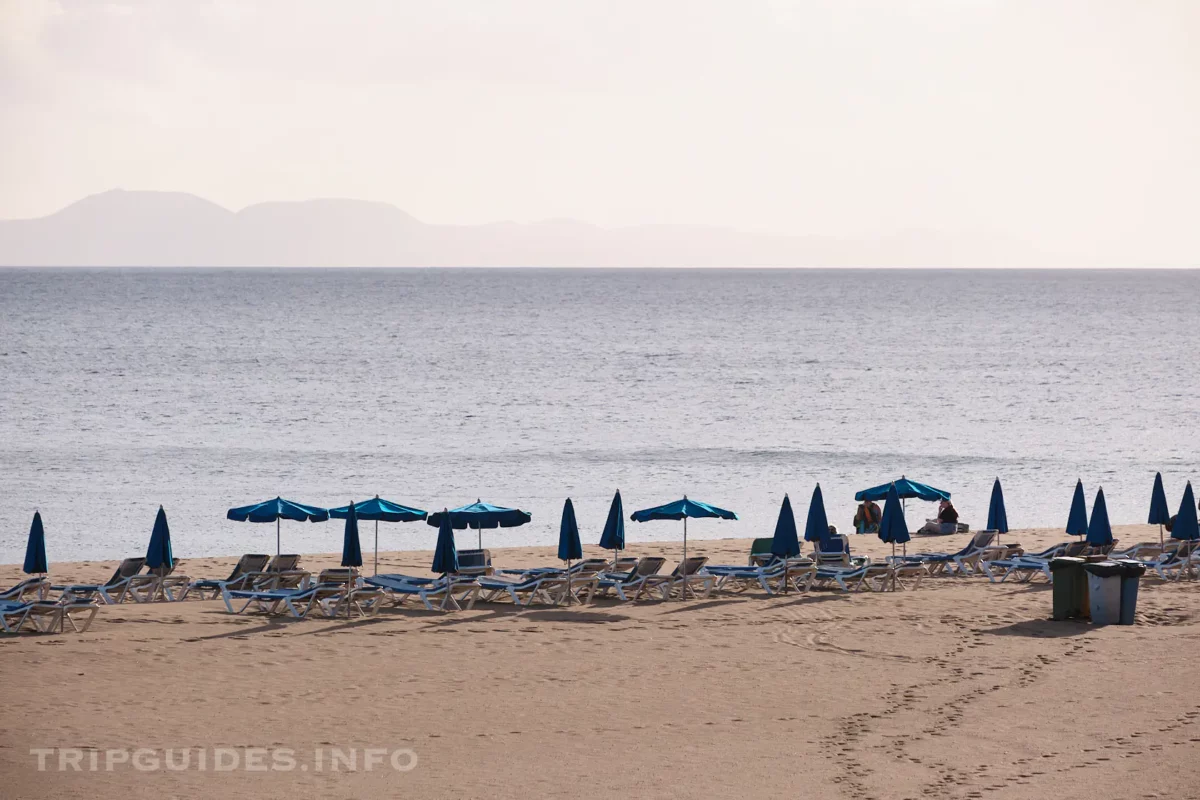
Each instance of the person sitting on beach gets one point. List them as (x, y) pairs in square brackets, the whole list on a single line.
[(866, 519), (946, 522)]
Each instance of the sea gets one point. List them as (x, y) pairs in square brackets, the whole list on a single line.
[(125, 389)]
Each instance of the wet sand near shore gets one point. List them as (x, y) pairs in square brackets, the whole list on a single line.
[(961, 689)]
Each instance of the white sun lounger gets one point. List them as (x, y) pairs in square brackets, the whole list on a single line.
[(241, 577), (626, 585), (28, 589)]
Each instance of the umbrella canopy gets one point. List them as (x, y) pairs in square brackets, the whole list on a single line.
[(481, 515), (1160, 512), (380, 510), (158, 554), (681, 509), (569, 546), (816, 529), (786, 542), (904, 489), (351, 549), (1185, 527), (613, 537), (1099, 532), (445, 556), (35, 548), (997, 516), (275, 510), (1077, 520), (892, 527)]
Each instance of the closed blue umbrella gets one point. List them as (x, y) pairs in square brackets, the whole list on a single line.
[(997, 516), (682, 509), (158, 554), (378, 509), (569, 546), (1160, 512), (1185, 527), (1099, 532), (351, 553), (35, 548), (613, 537), (892, 526), (275, 510), (445, 556), (351, 548), (816, 529), (1077, 520), (904, 488), (480, 515), (786, 541)]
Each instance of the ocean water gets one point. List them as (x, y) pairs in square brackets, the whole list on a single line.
[(204, 389)]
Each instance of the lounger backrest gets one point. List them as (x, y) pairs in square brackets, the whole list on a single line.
[(474, 562), (626, 564), (338, 575), (650, 565), (284, 563), (689, 566), (128, 568), (162, 571), (250, 562)]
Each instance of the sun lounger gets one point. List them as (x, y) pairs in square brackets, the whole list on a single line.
[(40, 616), (114, 590), (626, 585), (772, 576), (28, 589), (964, 562), (443, 590), (547, 586), (1023, 568), (239, 578), (688, 577), (875, 577), (1175, 563), (587, 565)]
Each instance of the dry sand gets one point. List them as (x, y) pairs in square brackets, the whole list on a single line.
[(960, 689)]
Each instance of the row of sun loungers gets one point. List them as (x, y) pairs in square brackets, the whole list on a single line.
[(277, 586)]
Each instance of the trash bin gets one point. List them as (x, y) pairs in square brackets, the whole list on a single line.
[(1131, 576), (1070, 585), (1104, 591)]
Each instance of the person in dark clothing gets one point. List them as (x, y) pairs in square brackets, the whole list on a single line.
[(947, 513)]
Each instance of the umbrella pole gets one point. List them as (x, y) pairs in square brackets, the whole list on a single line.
[(376, 548), (683, 564), (568, 581), (1161, 543), (893, 566), (277, 537)]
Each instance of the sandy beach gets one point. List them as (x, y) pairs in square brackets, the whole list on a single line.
[(960, 689)]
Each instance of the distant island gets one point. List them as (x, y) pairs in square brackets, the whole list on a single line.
[(167, 229)]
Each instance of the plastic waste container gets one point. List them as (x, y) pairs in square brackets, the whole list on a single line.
[(1104, 591), (1070, 586), (1131, 577)]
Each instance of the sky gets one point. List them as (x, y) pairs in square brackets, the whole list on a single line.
[(1072, 126)]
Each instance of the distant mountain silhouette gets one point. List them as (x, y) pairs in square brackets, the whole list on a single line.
[(127, 228)]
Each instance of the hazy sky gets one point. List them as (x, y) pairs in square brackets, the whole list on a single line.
[(1074, 126)]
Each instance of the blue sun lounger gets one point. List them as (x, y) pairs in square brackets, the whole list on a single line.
[(114, 590), (796, 572), (962, 563), (28, 589), (401, 589)]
